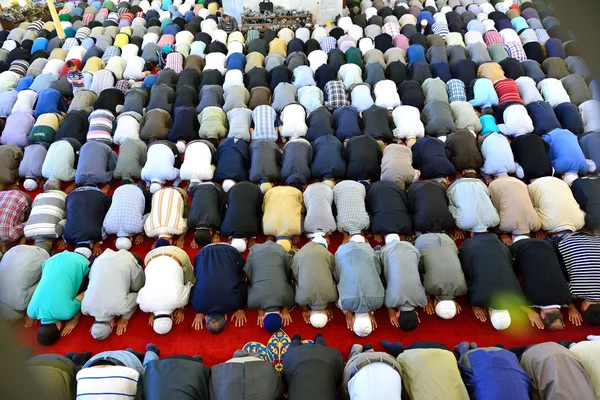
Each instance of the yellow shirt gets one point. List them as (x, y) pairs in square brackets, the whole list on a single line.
[(282, 211)]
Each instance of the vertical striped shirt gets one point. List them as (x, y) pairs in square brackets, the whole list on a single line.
[(167, 215), (581, 255)]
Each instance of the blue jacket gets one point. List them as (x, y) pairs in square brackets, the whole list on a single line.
[(50, 101), (328, 159), (232, 160), (543, 117), (565, 153), (430, 156)]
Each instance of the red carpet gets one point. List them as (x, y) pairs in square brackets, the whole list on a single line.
[(219, 348)]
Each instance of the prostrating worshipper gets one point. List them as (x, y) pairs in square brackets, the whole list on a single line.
[(264, 118), (555, 205), (131, 159), (471, 206), (441, 273), (177, 378), (430, 158), (20, 272), (245, 376), (408, 125), (128, 210), (396, 165), (387, 204), (169, 280), (587, 353), (371, 374), (111, 296), (586, 191), (293, 125), (498, 158), (361, 292), (316, 363), (206, 213), (168, 216), (464, 153), (220, 288), (283, 207), (58, 295), (232, 162), (162, 165), (428, 203), (510, 197), (352, 217), (556, 373), (242, 221), (10, 158), (265, 163), (579, 253), (328, 159), (492, 372), (15, 207), (566, 155), (31, 166), (270, 292), (363, 157), (54, 374), (531, 156), (96, 164), (312, 268), (404, 291), (492, 284), (297, 158), (544, 283), (199, 163), (319, 220)]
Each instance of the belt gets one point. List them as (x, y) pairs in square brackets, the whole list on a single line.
[(376, 359), (165, 255)]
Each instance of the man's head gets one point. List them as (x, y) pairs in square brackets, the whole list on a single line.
[(408, 320), (500, 319), (71, 65), (553, 319), (52, 184), (226, 18), (318, 319), (202, 236), (591, 315), (162, 242), (163, 323), (358, 238), (215, 323), (272, 322), (265, 187), (569, 178), (329, 182), (445, 309), (84, 250), (239, 244), (123, 243), (362, 324), (155, 187), (101, 330), (30, 185), (392, 237), (48, 334), (322, 240)]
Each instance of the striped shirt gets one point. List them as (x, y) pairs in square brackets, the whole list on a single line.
[(107, 382), (167, 215), (581, 255), (507, 90), (264, 123), (48, 217), (349, 198), (101, 126)]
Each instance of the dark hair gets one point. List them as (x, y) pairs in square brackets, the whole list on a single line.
[(215, 323), (202, 237), (48, 334), (213, 141), (70, 64), (161, 243), (552, 316), (592, 314), (297, 186), (408, 320)]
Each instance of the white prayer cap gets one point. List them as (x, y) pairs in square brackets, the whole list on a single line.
[(162, 325), (84, 251), (100, 331), (239, 244), (228, 184), (389, 238), (500, 319), (320, 239), (318, 319), (30, 185), (357, 238), (569, 178), (181, 146), (155, 187), (445, 309), (123, 243), (329, 183), (265, 187), (362, 324)]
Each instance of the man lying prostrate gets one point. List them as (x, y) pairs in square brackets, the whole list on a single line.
[(168, 215), (352, 217), (471, 205), (220, 288), (441, 273), (111, 297), (270, 292), (428, 203), (586, 191), (20, 272), (58, 295), (555, 205), (544, 284), (242, 222), (319, 219), (169, 280), (229, 380), (358, 276), (404, 291), (363, 157), (387, 203), (134, 201), (282, 215), (206, 213), (313, 267), (588, 353), (492, 284), (175, 378), (53, 373)]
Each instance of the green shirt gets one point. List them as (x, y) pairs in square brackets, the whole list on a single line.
[(54, 299)]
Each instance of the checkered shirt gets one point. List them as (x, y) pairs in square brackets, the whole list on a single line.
[(70, 43), (515, 50), (264, 117), (14, 205), (391, 28), (111, 51), (328, 43), (252, 34), (349, 198), (456, 90), (492, 37), (122, 85), (126, 214), (440, 28), (336, 95), (542, 35)]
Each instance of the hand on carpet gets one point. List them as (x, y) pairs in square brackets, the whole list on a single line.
[(349, 320), (429, 308), (198, 321), (329, 313), (286, 317), (260, 318), (373, 322), (139, 239), (62, 244), (506, 239), (306, 315), (574, 315), (97, 249), (535, 319), (394, 315), (458, 307), (178, 316), (29, 322), (180, 241), (122, 326), (194, 245), (459, 234), (151, 320), (239, 318), (540, 235), (69, 326), (377, 238), (480, 313)]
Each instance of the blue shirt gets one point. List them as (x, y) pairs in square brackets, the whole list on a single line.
[(236, 61), (50, 101)]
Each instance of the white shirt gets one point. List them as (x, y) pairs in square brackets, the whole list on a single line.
[(303, 76), (134, 69), (303, 34), (164, 288), (129, 51), (509, 35), (361, 97), (528, 91), (516, 121), (473, 37), (76, 53), (345, 23), (149, 37), (590, 114), (184, 37), (219, 35), (25, 101), (386, 94), (208, 25), (128, 127), (375, 381), (216, 61), (365, 45), (350, 74), (317, 58), (233, 77), (408, 123), (235, 47), (159, 165), (356, 32), (286, 34), (53, 67), (319, 33), (553, 91), (293, 119), (197, 165)]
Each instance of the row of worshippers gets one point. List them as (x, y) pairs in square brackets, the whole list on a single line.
[(422, 370)]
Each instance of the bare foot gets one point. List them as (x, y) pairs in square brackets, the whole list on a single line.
[(295, 239), (139, 239), (346, 238), (540, 235), (378, 238), (105, 188), (14, 186), (194, 245), (488, 181), (180, 241), (216, 238), (70, 188), (270, 238), (596, 232), (506, 239)]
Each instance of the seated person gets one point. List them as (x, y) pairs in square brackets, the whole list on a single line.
[(220, 288), (199, 163), (297, 158), (242, 221), (283, 207), (555, 205), (96, 164), (232, 162), (358, 276), (134, 201), (471, 206), (352, 217), (168, 216), (387, 204), (111, 296), (363, 158), (206, 211), (265, 163)]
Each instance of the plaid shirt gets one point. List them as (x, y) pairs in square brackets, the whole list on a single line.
[(391, 28), (252, 34), (515, 50), (122, 85), (126, 214), (336, 95), (111, 51), (70, 43), (542, 35), (264, 117), (14, 205), (328, 43), (349, 198), (456, 90), (492, 37)]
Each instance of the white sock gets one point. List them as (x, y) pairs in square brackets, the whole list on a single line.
[(593, 337)]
